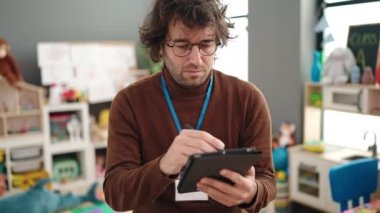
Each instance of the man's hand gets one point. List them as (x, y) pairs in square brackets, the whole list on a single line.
[(187, 143), (243, 191)]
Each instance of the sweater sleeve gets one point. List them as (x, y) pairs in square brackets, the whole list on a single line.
[(258, 134), (128, 182)]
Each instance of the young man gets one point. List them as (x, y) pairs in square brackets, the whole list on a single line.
[(147, 145)]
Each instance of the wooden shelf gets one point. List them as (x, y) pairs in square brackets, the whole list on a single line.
[(26, 140), (67, 147), (79, 186), (22, 113), (99, 145)]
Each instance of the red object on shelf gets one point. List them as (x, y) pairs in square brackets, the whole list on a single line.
[(378, 75)]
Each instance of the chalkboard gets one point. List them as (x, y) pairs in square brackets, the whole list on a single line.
[(363, 40)]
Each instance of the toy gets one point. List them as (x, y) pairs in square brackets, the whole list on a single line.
[(355, 75), (2, 152), (73, 126), (100, 165), (8, 66), (367, 77), (29, 179), (337, 67), (58, 127), (103, 118), (287, 137), (315, 99), (40, 200), (280, 158), (65, 169), (99, 132), (314, 146), (3, 184)]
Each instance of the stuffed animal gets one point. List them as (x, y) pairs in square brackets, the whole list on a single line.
[(40, 200), (285, 137), (337, 67), (8, 66)]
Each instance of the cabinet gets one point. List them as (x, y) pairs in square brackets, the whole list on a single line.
[(308, 179), (352, 98)]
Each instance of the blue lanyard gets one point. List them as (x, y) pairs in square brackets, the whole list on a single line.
[(171, 106)]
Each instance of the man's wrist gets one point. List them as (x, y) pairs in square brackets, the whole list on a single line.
[(163, 172), (251, 201)]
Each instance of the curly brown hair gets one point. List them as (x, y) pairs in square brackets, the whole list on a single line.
[(193, 13)]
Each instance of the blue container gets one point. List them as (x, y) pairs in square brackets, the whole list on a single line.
[(315, 70)]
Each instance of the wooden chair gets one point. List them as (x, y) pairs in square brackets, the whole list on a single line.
[(352, 180)]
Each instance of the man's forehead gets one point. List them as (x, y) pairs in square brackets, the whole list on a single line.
[(178, 28)]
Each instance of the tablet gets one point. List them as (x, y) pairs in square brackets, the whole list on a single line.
[(210, 164)]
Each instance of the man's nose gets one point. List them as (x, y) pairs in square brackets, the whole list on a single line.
[(195, 55)]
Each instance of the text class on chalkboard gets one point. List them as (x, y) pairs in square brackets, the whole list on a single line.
[(363, 40)]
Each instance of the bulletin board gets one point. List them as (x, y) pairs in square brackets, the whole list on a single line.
[(99, 68)]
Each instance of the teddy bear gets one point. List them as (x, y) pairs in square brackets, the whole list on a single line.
[(338, 66), (8, 66), (285, 137)]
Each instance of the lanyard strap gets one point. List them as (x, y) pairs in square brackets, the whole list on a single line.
[(171, 106)]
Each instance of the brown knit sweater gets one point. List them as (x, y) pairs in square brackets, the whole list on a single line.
[(142, 129)]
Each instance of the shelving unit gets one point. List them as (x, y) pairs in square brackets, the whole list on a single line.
[(313, 101), (352, 98), (70, 160), (357, 98), (21, 133), (308, 179), (49, 138)]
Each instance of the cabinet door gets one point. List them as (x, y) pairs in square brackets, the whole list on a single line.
[(306, 180), (343, 98)]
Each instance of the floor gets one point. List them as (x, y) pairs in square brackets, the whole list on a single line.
[(299, 208), (292, 207)]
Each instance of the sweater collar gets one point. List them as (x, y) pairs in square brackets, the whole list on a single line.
[(177, 90)]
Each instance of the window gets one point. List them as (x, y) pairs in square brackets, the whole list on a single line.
[(343, 128), (227, 60), (339, 19), (347, 129)]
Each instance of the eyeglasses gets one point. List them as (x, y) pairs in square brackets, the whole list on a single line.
[(182, 48)]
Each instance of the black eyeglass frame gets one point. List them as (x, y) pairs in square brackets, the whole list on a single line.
[(217, 44)]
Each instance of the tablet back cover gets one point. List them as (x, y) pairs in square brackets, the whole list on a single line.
[(209, 166)]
